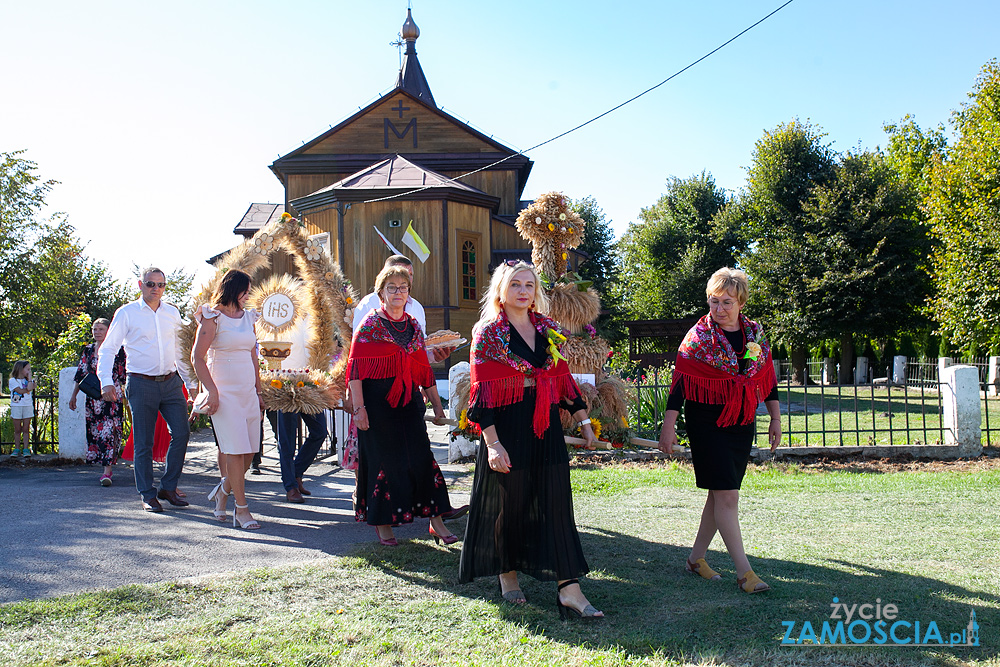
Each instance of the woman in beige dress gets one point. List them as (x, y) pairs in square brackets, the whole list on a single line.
[(225, 360)]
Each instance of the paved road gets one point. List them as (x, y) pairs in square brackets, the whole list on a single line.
[(64, 533)]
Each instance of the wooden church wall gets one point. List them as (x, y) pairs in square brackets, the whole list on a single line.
[(300, 185), (400, 125), (502, 184), (364, 252), (469, 230), (506, 236)]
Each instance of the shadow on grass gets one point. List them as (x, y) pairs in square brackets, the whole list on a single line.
[(655, 608)]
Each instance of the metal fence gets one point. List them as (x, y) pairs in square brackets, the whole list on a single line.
[(45, 423), (828, 414)]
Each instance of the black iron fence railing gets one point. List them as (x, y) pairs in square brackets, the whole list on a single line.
[(45, 423), (829, 414)]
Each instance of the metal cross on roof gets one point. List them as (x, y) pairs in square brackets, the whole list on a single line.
[(399, 44)]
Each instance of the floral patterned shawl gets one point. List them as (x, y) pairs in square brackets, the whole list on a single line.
[(499, 376), (376, 355), (709, 370)]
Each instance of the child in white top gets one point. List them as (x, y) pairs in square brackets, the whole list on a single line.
[(22, 410)]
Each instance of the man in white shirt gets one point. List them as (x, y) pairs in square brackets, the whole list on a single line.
[(147, 328)]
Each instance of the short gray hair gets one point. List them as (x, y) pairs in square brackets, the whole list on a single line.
[(152, 269)]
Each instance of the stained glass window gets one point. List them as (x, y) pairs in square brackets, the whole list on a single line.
[(469, 287)]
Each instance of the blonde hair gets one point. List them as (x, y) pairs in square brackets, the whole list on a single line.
[(394, 271), (500, 281), (728, 281)]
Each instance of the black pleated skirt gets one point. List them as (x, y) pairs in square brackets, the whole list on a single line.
[(523, 520)]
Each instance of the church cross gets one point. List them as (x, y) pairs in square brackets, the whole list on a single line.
[(400, 108)]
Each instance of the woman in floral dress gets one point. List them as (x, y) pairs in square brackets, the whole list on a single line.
[(104, 418)]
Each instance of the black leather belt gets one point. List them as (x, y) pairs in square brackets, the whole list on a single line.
[(154, 378)]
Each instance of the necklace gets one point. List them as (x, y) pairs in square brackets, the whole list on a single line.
[(392, 322)]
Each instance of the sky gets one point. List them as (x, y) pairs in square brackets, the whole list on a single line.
[(160, 120)]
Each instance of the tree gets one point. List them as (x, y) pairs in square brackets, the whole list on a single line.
[(598, 242), (867, 248), (665, 259), (963, 209), (786, 165), (911, 151), (45, 277)]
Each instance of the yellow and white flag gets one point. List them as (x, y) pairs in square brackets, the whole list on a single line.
[(415, 243)]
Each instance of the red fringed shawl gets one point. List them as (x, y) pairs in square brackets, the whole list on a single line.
[(375, 355), (708, 368), (498, 376)]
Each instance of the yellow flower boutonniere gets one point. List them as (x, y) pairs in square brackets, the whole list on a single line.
[(753, 351), (555, 340)]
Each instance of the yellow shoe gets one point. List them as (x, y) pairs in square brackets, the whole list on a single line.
[(751, 583), (700, 567)]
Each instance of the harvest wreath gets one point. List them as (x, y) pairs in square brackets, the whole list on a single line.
[(326, 297)]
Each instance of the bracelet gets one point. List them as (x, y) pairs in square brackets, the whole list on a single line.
[(358, 409), (585, 421), (492, 444)]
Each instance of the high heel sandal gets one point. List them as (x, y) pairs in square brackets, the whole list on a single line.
[(513, 596), (701, 568), (749, 581), (391, 542), (447, 539), (589, 612), (215, 494), (252, 524)]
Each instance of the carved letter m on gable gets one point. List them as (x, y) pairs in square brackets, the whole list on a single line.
[(412, 125)]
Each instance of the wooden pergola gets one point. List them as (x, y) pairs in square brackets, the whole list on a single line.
[(655, 342)]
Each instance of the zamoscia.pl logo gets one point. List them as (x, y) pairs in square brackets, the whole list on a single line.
[(875, 624)]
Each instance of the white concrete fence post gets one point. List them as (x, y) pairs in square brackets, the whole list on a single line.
[(777, 368), (943, 363), (899, 369), (994, 377), (861, 370), (72, 423), (829, 371), (962, 418)]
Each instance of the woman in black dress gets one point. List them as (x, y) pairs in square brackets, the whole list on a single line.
[(397, 478), (521, 516), (723, 370)]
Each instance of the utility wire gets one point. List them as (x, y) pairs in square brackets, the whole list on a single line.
[(598, 117)]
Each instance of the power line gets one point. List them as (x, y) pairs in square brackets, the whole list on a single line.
[(599, 116)]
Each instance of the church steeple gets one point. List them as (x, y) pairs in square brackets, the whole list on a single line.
[(411, 76)]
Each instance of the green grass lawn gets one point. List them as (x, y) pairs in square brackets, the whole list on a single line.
[(924, 541)]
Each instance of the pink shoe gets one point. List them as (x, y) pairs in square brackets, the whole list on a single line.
[(105, 480)]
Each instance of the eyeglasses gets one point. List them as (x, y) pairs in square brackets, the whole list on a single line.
[(397, 289), (515, 262), (724, 305), (150, 284)]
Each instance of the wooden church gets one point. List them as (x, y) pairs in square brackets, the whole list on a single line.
[(392, 162)]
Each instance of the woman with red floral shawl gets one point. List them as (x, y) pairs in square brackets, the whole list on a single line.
[(521, 515), (723, 370), (397, 478)]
